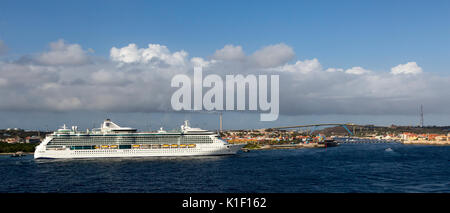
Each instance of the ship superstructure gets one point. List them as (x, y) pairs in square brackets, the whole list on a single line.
[(112, 140)]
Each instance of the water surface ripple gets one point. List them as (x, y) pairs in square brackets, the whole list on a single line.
[(347, 168)]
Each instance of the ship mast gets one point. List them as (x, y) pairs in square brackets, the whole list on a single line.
[(220, 122)]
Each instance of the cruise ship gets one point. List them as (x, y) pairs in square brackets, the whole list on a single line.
[(111, 140)]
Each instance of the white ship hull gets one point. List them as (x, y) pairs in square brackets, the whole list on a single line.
[(111, 141), (113, 153), (200, 150)]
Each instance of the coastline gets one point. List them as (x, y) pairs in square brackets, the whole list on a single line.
[(315, 145), (287, 146), (11, 153), (424, 142)]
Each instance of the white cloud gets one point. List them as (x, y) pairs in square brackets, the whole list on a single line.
[(103, 76), (139, 86), (357, 71), (154, 53), (198, 61), (63, 54), (49, 86), (272, 55), (63, 104), (229, 52), (305, 66), (408, 68), (334, 70), (128, 54)]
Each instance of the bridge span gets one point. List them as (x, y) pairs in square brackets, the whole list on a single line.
[(312, 125), (345, 126), (325, 124)]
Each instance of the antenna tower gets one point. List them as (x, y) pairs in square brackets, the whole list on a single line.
[(421, 115), (220, 121)]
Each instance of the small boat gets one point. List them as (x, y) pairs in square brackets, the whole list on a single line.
[(329, 143), (18, 154)]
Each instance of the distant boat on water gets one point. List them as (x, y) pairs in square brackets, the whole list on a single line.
[(18, 154), (329, 143)]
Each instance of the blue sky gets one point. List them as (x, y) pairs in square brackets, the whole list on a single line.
[(375, 35)]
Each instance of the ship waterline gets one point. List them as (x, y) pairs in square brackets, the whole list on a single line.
[(111, 140)]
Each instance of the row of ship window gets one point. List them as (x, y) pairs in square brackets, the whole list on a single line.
[(134, 138), (128, 146), (112, 151), (57, 141)]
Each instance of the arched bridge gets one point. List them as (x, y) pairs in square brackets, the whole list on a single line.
[(345, 125)]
